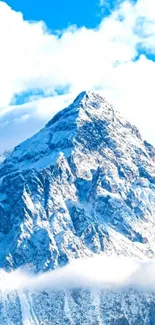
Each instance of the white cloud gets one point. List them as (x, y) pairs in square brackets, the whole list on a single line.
[(33, 58), (102, 59), (98, 272)]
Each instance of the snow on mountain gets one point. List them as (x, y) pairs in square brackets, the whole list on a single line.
[(83, 185), (4, 155)]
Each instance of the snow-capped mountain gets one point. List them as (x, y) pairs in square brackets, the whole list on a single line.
[(83, 185)]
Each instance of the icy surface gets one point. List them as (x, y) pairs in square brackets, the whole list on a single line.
[(83, 185)]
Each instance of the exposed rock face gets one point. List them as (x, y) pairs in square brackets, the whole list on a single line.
[(83, 185)]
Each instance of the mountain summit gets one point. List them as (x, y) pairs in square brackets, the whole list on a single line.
[(83, 185), (84, 120)]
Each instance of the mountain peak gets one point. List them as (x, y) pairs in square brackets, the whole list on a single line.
[(87, 105), (85, 100), (89, 124), (85, 96)]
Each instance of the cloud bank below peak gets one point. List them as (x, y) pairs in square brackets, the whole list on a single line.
[(100, 272)]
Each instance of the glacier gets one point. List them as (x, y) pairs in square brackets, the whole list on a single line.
[(82, 186)]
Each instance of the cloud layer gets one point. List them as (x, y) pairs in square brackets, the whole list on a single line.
[(116, 58), (99, 272)]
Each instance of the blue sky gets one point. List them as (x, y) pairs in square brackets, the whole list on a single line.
[(104, 46), (60, 14), (63, 13)]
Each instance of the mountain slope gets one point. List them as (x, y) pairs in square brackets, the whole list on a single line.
[(83, 185)]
